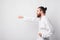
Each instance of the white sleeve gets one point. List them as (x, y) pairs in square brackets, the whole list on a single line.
[(28, 18), (47, 30)]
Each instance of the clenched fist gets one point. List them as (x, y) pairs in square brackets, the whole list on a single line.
[(20, 17), (40, 34)]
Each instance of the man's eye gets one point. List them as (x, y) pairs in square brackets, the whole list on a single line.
[(40, 10)]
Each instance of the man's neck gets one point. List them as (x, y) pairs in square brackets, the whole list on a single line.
[(42, 15)]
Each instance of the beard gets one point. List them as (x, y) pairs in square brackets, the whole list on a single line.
[(38, 15)]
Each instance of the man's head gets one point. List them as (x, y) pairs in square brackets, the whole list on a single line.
[(41, 10)]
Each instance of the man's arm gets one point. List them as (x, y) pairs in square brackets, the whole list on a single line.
[(46, 29), (25, 18)]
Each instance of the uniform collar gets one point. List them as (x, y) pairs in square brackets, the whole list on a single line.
[(43, 17)]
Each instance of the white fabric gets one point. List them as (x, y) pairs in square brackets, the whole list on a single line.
[(44, 26)]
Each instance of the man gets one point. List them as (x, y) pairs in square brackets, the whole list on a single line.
[(45, 28)]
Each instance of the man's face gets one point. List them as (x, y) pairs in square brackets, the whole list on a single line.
[(39, 12)]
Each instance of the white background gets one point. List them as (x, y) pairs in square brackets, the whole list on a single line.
[(11, 28)]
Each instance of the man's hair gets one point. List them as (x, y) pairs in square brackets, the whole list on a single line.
[(43, 9)]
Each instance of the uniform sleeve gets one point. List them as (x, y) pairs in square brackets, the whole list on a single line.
[(28, 18), (47, 29)]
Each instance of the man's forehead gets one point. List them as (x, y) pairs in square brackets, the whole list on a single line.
[(38, 9)]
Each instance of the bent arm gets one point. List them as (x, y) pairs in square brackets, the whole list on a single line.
[(47, 29)]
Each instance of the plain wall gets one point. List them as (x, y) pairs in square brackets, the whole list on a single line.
[(11, 28)]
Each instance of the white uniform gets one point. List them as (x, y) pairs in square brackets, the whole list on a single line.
[(44, 26)]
